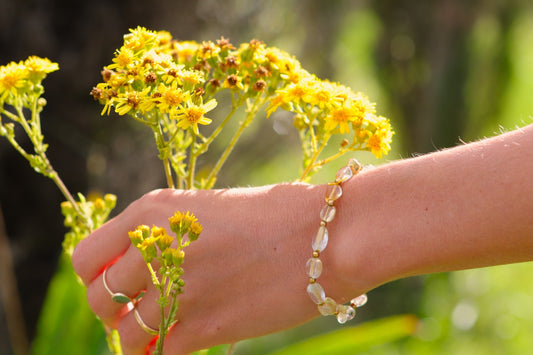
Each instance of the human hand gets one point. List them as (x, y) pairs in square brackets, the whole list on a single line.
[(245, 276)]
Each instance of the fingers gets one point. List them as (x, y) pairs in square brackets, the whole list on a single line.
[(106, 244), (134, 339), (128, 276), (100, 249)]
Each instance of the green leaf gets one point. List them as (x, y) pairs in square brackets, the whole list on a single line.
[(358, 338), (66, 324)]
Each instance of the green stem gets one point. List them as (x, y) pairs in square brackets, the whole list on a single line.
[(235, 105), (10, 115), (163, 153), (192, 164), (248, 119), (153, 274), (35, 135), (337, 155), (313, 159)]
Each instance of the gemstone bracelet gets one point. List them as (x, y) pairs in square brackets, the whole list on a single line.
[(326, 305)]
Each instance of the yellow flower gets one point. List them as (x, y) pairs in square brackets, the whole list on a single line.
[(324, 94), (180, 222), (209, 50), (380, 139), (164, 240), (130, 101), (297, 92), (340, 117), (185, 51), (194, 231), (192, 77), (136, 237), (280, 100), (40, 65), (168, 97), (123, 57), (376, 144), (139, 38), (148, 249), (12, 78), (191, 115)]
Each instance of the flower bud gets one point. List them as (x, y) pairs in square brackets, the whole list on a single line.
[(136, 237), (164, 241)]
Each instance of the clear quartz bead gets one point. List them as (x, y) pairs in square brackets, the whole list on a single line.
[(328, 307), (314, 267), (343, 174), (355, 165), (333, 193), (321, 239), (344, 313), (359, 300), (328, 213), (316, 292)]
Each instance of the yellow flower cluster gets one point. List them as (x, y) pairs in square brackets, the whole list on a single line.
[(324, 108), (154, 77), (155, 241), (20, 83), (152, 74), (185, 223)]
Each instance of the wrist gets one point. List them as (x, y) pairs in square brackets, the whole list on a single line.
[(361, 256)]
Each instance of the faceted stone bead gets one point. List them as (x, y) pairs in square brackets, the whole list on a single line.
[(328, 213), (344, 313), (359, 300), (333, 193), (356, 166), (328, 307), (316, 292), (314, 267), (321, 239), (343, 174)]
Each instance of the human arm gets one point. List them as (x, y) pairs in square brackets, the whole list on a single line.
[(464, 207)]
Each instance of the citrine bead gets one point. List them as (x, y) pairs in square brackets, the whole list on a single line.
[(316, 293), (314, 267), (355, 165), (321, 239), (359, 300), (343, 174), (328, 213), (328, 307), (333, 193), (344, 313)]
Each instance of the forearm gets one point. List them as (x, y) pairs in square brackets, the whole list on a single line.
[(470, 206)]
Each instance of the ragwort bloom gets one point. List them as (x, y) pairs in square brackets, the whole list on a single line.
[(191, 115)]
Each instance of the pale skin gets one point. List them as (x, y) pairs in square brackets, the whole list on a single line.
[(465, 207)]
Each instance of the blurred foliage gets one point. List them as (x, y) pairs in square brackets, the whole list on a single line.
[(443, 71)]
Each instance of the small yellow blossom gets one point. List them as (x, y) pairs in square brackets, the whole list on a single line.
[(180, 222), (164, 241), (195, 230), (340, 117), (185, 51), (139, 38), (12, 78), (123, 58), (192, 77), (37, 65), (190, 115), (130, 101), (169, 98)]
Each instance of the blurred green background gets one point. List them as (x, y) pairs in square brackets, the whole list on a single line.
[(443, 71)]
